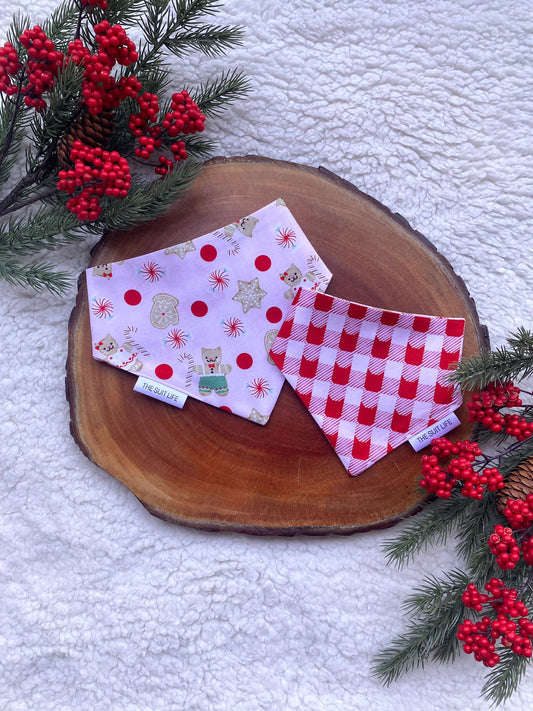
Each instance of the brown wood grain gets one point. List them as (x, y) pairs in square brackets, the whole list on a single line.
[(204, 468)]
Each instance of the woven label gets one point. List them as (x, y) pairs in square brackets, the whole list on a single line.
[(160, 392), (437, 429)]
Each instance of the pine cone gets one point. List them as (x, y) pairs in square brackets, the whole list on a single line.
[(518, 485), (91, 130)]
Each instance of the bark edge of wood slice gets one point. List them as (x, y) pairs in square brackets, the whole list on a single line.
[(203, 468)]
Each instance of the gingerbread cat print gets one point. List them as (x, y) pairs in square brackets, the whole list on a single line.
[(294, 279), (123, 357), (245, 226), (212, 373)]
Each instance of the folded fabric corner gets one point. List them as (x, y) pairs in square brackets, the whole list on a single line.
[(371, 378)]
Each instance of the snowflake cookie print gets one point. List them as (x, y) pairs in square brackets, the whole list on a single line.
[(249, 294)]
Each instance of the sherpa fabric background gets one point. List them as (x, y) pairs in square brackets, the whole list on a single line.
[(427, 106)]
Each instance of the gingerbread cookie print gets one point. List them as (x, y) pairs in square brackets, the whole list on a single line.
[(212, 372), (164, 311), (181, 249), (249, 294)]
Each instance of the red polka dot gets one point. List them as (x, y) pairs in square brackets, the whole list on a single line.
[(208, 253), (263, 263), (132, 297), (226, 408), (244, 361), (274, 314), (164, 371), (199, 308)]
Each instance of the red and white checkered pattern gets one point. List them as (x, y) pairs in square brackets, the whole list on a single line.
[(371, 378)]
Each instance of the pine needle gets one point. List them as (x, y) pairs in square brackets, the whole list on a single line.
[(209, 39), (432, 526), (436, 610), (502, 681), (39, 276), (498, 366), (213, 96)]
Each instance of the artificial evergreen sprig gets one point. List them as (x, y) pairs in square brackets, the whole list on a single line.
[(497, 366), (88, 107), (495, 542), (435, 611)]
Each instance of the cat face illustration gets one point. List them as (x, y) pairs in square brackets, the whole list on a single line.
[(291, 276), (107, 346), (103, 270), (212, 356), (246, 225)]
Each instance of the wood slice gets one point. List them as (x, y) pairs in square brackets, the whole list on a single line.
[(204, 468)]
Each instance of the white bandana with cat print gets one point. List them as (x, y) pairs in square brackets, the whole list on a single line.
[(200, 317)]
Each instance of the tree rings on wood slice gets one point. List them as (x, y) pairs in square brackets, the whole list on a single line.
[(204, 468)]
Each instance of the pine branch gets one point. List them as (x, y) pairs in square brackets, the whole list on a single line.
[(515, 456), (208, 39), (59, 24), (45, 229), (198, 147), (215, 94), (187, 11), (19, 23), (39, 277), (437, 610), (146, 201), (176, 24), (502, 681), (182, 30), (432, 526), (472, 535), (500, 366), (63, 106), (128, 13), (13, 126)]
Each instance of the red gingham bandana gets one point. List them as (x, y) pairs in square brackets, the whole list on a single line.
[(371, 378)]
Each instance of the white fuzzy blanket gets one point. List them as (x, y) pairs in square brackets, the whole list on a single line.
[(425, 105)]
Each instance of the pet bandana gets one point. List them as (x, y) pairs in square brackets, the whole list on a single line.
[(371, 378), (200, 317)]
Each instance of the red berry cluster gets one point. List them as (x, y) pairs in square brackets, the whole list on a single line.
[(97, 173), (149, 136), (503, 545), (519, 513), (184, 117), (114, 42), (479, 638), (527, 550), (460, 458), (42, 67), (518, 427), (485, 408), (478, 641), (9, 67), (100, 89)]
